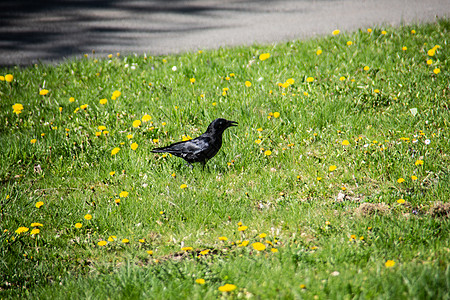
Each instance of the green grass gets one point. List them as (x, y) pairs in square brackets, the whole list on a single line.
[(327, 248)]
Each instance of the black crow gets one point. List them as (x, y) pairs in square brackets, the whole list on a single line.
[(202, 148)]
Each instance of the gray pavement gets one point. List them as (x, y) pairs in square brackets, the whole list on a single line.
[(52, 30)]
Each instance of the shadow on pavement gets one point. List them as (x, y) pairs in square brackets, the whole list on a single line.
[(53, 30)]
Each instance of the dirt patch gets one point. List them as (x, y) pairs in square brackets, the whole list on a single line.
[(439, 210), (371, 209)]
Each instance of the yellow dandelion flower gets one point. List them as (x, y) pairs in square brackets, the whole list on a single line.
[(125, 241), (192, 80), (290, 81), (349, 43), (78, 225), (413, 31), (262, 235), (227, 288), (43, 92), (71, 99), (264, 56), (366, 68), (137, 123), (389, 263), (384, 32), (276, 114), (9, 77), (437, 71), (419, 162), (242, 228), (429, 61), (150, 252), (258, 246), (115, 151), (39, 204), (319, 178), (342, 78), (404, 48), (400, 180), (116, 94), (336, 32), (345, 143), (332, 168), (267, 153), (187, 248), (102, 243), (204, 252), (123, 194), (36, 224), (21, 229), (146, 118), (318, 52), (183, 186), (84, 106), (33, 141), (431, 52), (200, 281), (248, 84), (244, 244), (302, 286), (185, 138), (310, 79), (103, 101), (401, 201), (88, 217), (17, 108), (134, 146), (156, 141), (376, 91), (413, 177), (223, 238)]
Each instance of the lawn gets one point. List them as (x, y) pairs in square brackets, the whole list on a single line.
[(335, 184)]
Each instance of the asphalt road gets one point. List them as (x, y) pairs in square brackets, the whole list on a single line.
[(52, 30)]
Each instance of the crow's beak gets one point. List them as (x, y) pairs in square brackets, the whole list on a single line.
[(232, 123)]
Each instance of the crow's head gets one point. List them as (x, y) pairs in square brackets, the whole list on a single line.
[(219, 125)]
